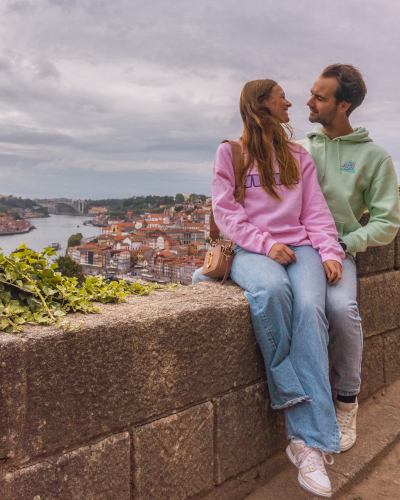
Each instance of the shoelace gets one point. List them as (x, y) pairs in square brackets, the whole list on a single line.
[(316, 458), (343, 418)]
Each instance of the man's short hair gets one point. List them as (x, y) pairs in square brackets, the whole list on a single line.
[(351, 86)]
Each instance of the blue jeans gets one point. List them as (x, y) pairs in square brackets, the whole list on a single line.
[(345, 333), (287, 306)]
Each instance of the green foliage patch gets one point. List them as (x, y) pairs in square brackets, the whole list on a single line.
[(69, 268), (75, 240), (33, 292)]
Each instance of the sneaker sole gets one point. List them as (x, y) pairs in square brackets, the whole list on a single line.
[(347, 447), (303, 484)]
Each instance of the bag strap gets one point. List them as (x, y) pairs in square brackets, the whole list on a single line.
[(237, 162)]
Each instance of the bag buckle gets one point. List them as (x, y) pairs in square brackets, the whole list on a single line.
[(227, 250)]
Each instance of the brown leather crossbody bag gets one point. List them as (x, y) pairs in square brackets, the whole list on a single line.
[(218, 261)]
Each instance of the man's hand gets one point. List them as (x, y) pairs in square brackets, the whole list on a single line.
[(282, 254), (333, 270)]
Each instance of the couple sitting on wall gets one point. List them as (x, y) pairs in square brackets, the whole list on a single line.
[(296, 238)]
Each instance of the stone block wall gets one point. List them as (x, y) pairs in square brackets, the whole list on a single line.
[(162, 397)]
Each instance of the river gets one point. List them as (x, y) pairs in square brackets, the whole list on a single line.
[(53, 229)]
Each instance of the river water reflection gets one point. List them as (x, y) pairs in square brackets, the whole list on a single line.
[(53, 229)]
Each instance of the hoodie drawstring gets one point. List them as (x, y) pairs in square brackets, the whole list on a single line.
[(324, 172), (338, 154)]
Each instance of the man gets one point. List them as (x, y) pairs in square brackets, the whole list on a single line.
[(355, 174)]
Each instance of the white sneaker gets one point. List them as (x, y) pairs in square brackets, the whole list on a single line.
[(310, 462), (346, 414)]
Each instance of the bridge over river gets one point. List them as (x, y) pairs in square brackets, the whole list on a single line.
[(71, 207)]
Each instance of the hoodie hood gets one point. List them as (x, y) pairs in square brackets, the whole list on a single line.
[(360, 134)]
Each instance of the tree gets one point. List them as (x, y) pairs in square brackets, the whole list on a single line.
[(75, 240), (117, 214), (193, 197), (179, 198), (68, 267), (43, 210), (202, 197)]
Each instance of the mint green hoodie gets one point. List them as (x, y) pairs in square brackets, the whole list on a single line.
[(356, 174)]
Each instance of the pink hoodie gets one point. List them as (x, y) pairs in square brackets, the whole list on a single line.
[(302, 217)]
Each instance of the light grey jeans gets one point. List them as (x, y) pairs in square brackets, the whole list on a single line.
[(345, 333)]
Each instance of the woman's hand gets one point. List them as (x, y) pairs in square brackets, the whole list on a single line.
[(333, 270), (282, 254)]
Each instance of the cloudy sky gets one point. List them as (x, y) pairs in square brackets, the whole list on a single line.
[(115, 98)]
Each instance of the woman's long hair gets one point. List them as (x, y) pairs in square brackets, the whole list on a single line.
[(265, 139)]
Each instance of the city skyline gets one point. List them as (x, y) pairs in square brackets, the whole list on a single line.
[(112, 100)]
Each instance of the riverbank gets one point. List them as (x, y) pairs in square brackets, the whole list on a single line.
[(36, 216), (17, 232), (57, 228), (95, 224)]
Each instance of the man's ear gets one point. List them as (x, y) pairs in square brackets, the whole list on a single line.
[(343, 106)]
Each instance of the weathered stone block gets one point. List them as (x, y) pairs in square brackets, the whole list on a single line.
[(391, 353), (364, 218), (248, 430), (379, 299), (97, 472), (241, 485), (12, 393), (174, 456), (31, 483), (372, 371), (397, 250), (136, 361), (376, 259)]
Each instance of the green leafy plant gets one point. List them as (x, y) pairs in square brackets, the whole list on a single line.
[(33, 292)]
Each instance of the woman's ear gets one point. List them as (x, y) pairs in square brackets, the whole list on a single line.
[(265, 105)]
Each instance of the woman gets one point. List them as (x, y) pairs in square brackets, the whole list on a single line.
[(285, 242)]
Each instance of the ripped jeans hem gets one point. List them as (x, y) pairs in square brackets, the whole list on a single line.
[(316, 448), (291, 403)]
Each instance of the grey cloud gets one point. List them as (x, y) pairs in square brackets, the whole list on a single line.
[(46, 69), (19, 5), (112, 95)]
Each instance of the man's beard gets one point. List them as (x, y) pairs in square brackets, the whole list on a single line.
[(324, 119)]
